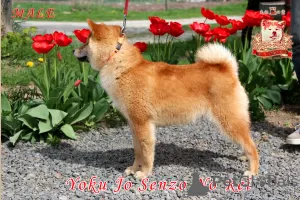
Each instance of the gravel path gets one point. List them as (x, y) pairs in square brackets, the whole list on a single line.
[(41, 172)]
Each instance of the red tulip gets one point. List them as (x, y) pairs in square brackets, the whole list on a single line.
[(176, 29), (59, 56), (252, 18), (207, 13), (82, 35), (199, 28), (157, 20), (222, 20), (232, 31), (42, 47), (287, 18), (236, 24), (222, 40), (159, 28), (221, 34), (43, 38), (208, 35), (61, 39), (142, 46), (77, 83)]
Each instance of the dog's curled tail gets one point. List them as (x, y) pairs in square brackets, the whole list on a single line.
[(215, 53)]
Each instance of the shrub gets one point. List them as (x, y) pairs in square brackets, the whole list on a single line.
[(11, 42)]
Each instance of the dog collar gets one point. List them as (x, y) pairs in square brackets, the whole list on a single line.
[(118, 47)]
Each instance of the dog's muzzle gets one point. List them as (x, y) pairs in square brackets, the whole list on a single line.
[(82, 59)]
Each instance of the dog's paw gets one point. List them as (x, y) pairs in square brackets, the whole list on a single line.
[(249, 173), (139, 175), (130, 170)]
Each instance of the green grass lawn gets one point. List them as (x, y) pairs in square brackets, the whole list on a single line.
[(103, 13)]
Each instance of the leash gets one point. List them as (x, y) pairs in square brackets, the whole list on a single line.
[(121, 38), (125, 15)]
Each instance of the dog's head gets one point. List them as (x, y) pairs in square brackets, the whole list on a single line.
[(101, 42), (272, 30)]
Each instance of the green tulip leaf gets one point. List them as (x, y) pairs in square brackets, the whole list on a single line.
[(5, 104), (274, 96), (57, 116), (27, 136), (40, 112), (68, 131), (100, 108), (68, 91), (265, 102), (29, 121), (45, 126), (15, 137), (73, 110), (81, 114)]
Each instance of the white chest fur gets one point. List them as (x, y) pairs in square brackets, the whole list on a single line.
[(109, 83)]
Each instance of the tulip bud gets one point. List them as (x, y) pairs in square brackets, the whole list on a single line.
[(59, 56), (77, 83)]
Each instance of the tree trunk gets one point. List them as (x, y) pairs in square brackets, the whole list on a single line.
[(166, 4), (6, 16)]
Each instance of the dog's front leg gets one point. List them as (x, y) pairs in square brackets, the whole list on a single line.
[(144, 144)]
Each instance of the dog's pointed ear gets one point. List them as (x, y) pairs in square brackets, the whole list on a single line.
[(117, 29), (91, 24)]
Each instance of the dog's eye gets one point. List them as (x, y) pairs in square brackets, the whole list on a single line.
[(270, 29)]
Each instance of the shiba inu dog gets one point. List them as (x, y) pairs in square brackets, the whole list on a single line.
[(151, 94)]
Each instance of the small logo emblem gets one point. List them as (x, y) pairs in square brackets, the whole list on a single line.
[(272, 41), (197, 188)]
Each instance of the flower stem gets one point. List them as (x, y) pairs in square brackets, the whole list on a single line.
[(166, 46), (246, 43), (159, 48), (85, 74), (79, 90), (80, 67), (200, 40), (155, 50), (46, 77), (74, 93), (55, 61), (170, 48)]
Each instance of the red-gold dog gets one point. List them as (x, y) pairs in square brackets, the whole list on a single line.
[(153, 94)]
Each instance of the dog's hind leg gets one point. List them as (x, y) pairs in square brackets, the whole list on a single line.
[(236, 124), (144, 144)]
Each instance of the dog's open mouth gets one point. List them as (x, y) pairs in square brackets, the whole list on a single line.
[(83, 59)]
